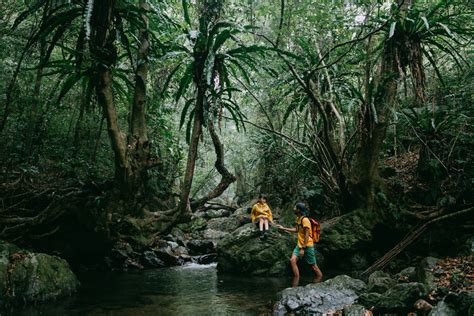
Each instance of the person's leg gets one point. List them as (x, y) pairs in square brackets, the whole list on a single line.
[(294, 262), (318, 273), (310, 258), (295, 281), (265, 228), (260, 223)]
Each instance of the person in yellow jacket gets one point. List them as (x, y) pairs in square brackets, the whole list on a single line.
[(261, 215)]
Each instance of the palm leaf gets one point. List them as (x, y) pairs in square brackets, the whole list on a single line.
[(168, 79), (185, 111), (186, 12), (185, 81)]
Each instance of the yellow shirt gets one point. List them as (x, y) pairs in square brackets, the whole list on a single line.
[(260, 210), (301, 223)]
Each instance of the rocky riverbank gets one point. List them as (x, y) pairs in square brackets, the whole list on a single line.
[(28, 277)]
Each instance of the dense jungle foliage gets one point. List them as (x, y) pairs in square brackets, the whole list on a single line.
[(158, 109)]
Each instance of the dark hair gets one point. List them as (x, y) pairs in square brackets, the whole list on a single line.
[(262, 196), (300, 206)]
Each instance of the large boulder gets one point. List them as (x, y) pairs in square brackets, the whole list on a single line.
[(380, 282), (330, 295), (349, 237), (346, 234), (201, 247), (455, 304), (443, 309), (401, 297), (171, 253), (407, 275), (426, 272), (27, 277), (243, 252), (5, 250), (226, 224)]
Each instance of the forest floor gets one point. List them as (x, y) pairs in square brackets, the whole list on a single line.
[(455, 274)]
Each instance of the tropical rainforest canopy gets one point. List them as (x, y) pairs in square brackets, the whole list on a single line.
[(159, 109)]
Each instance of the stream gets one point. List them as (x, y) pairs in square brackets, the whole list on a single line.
[(185, 290)]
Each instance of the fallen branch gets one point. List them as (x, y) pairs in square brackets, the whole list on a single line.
[(409, 239)]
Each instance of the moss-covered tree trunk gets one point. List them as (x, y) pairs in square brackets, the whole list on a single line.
[(209, 13), (132, 152), (365, 182), (138, 149)]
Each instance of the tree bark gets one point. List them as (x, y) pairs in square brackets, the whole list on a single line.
[(33, 115), (105, 55), (138, 148), (227, 176), (184, 207), (365, 182), (209, 13)]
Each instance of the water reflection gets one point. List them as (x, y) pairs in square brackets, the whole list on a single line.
[(189, 290)]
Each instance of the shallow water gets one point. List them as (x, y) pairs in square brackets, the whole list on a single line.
[(187, 290)]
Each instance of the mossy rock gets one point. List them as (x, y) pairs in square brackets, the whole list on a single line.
[(194, 225), (380, 282), (27, 277), (5, 250), (244, 252), (40, 277), (319, 298), (401, 297), (347, 233)]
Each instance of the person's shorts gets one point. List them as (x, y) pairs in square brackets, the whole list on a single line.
[(309, 255)]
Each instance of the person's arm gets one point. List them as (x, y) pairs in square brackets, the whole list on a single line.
[(290, 230), (253, 214), (306, 238), (270, 215)]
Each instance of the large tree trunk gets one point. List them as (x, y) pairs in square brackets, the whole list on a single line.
[(209, 14), (227, 176), (33, 114), (365, 182), (184, 207), (138, 149), (105, 55), (132, 155)]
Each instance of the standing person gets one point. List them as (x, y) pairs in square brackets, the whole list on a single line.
[(261, 215), (305, 247)]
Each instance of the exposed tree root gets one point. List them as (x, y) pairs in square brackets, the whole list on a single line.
[(410, 238), (30, 211)]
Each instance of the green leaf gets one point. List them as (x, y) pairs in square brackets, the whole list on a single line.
[(185, 111), (445, 27), (220, 39), (68, 84), (168, 80), (24, 15), (186, 12), (392, 29), (241, 70), (185, 81), (427, 25), (228, 107)]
